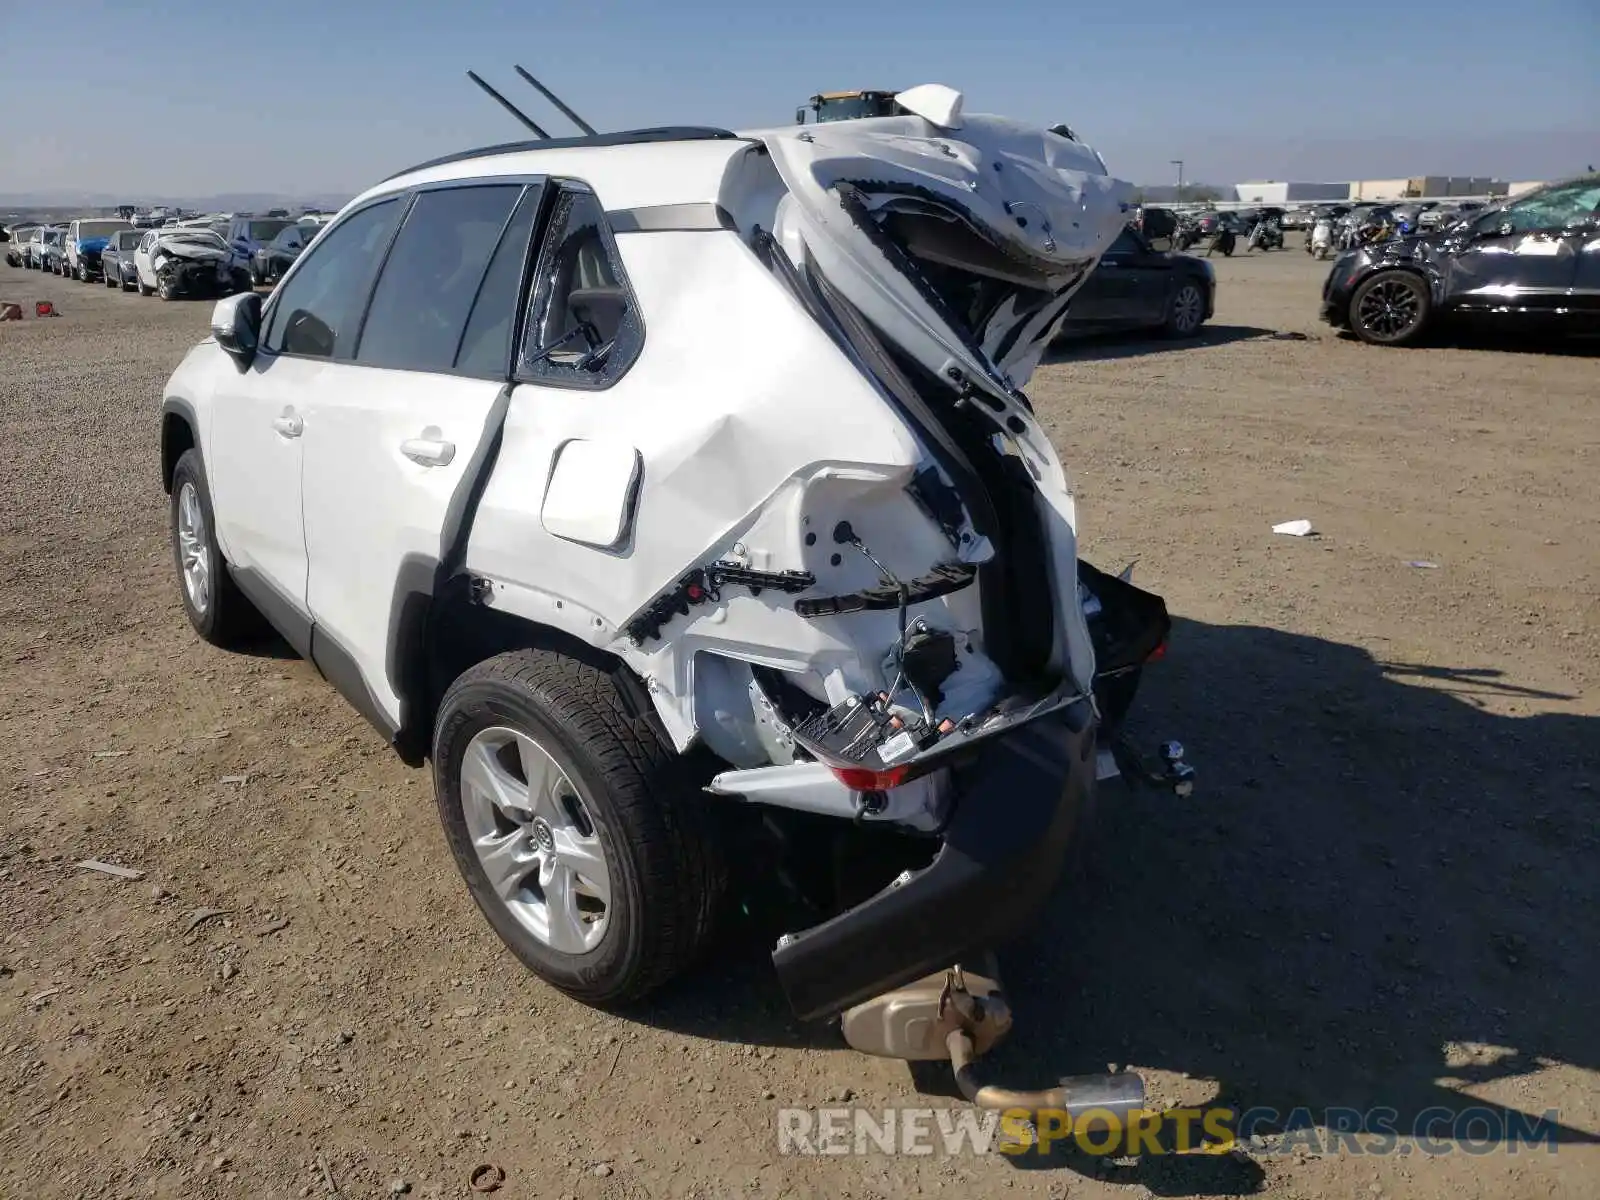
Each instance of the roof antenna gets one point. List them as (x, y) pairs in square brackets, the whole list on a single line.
[(556, 100), (507, 105)]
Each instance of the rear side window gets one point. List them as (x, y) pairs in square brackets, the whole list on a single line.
[(431, 278), (317, 311), (583, 326)]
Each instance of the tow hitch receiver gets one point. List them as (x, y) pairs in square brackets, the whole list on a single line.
[(961, 1014)]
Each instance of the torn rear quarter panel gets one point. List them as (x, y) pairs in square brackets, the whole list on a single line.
[(761, 435)]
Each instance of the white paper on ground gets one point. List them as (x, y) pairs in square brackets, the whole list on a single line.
[(1298, 528)]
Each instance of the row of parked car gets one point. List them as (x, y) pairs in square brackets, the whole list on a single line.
[(201, 257)]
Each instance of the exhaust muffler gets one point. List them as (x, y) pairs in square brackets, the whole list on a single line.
[(959, 1015)]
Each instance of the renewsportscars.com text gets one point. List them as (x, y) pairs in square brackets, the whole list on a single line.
[(1267, 1131)]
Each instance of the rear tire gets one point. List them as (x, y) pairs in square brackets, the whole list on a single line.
[(215, 606), (648, 825)]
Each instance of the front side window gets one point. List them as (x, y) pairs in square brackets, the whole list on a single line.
[(420, 306), (583, 327), (1126, 243), (316, 310)]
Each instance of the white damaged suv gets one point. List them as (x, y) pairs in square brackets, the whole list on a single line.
[(642, 479)]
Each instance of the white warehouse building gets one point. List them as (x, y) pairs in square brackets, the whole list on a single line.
[(1280, 192)]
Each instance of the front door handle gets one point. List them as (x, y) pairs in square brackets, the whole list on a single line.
[(289, 425), (429, 451)]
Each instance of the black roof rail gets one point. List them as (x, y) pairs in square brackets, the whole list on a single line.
[(625, 137)]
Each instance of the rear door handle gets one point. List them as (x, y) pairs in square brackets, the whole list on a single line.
[(429, 451), (289, 425)]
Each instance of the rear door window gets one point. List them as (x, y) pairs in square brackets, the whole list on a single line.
[(486, 346), (318, 309), (432, 276)]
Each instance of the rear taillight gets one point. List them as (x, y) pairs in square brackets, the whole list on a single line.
[(862, 779)]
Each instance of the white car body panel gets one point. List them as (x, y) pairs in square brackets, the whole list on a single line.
[(367, 505), (776, 441), (254, 462)]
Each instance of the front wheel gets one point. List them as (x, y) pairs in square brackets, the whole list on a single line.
[(167, 287), (1389, 308), (216, 608), (583, 838), (1186, 311)]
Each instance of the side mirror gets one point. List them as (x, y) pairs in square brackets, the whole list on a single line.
[(236, 324)]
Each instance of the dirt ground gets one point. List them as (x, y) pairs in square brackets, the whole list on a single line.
[(1384, 892)]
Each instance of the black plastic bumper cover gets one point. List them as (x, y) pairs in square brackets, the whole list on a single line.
[(1002, 853)]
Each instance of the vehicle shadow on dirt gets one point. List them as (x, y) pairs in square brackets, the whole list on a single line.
[(1500, 341), (1100, 347), (1378, 885)]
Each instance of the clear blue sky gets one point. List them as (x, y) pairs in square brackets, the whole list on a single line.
[(218, 96)]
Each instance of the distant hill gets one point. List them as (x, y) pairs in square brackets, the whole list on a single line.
[(67, 198)]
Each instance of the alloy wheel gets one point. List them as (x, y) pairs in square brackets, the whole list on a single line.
[(194, 549), (1187, 308), (535, 840), (1390, 308)]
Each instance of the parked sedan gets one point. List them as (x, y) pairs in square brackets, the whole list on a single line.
[(269, 262), (1137, 286), (1530, 265), (116, 260)]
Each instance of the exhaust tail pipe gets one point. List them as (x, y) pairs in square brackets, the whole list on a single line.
[(1119, 1096)]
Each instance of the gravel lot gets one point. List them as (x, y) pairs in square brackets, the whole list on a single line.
[(1379, 895)]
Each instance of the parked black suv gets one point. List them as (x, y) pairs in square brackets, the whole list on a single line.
[(1531, 265)]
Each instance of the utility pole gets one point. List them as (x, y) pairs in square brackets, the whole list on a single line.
[(1178, 162)]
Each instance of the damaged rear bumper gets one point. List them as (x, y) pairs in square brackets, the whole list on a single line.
[(1019, 804)]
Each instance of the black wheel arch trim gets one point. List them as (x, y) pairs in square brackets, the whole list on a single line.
[(421, 583), (182, 409)]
